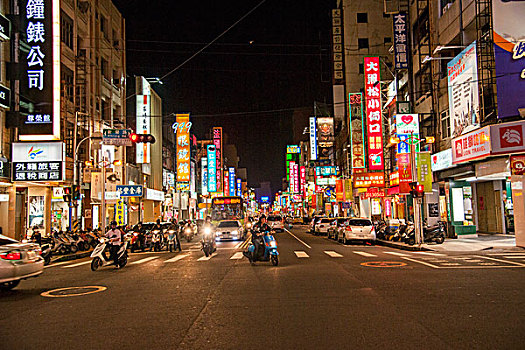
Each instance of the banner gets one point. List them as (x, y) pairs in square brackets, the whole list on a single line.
[(463, 92), (313, 138), (212, 169), (231, 184), (349, 196), (182, 128), (217, 142), (374, 120), (339, 190), (302, 190), (405, 173), (509, 52), (356, 132), (424, 172), (204, 176)]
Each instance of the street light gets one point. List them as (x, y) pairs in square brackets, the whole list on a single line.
[(428, 59), (441, 48)]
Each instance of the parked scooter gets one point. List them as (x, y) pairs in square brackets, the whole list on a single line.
[(46, 253), (209, 245), (434, 234), (99, 256), (270, 250)]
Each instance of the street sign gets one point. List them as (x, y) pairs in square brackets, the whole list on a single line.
[(117, 137), (130, 190)]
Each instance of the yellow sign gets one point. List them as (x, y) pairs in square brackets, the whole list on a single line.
[(119, 213), (424, 172)]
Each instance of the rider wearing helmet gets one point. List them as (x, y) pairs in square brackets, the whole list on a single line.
[(115, 240), (259, 230)]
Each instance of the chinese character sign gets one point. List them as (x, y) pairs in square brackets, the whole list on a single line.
[(313, 138), (400, 40), (424, 172), (40, 34), (373, 113), (217, 142), (356, 126), (295, 178), (239, 187), (143, 127), (212, 169), (231, 185), (182, 137), (226, 179), (303, 180), (204, 175)]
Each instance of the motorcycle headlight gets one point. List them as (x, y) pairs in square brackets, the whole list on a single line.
[(248, 225), (207, 230), (171, 231), (156, 231), (101, 240), (135, 234), (188, 230)]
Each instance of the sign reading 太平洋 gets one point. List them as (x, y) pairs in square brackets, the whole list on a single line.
[(40, 65), (400, 40)]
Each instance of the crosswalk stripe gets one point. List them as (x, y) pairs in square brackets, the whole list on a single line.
[(236, 256), (77, 264), (368, 255), (206, 258), (141, 261), (301, 254), (333, 254), (396, 253), (177, 258)]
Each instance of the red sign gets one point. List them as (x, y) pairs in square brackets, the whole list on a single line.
[(373, 113), (374, 193), (339, 190), (303, 181), (394, 179), (474, 145), (365, 180), (226, 183), (405, 172), (517, 164), (507, 137)]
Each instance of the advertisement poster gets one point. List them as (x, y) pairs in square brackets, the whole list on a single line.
[(356, 132), (36, 211), (509, 51), (424, 172), (374, 120), (463, 92)]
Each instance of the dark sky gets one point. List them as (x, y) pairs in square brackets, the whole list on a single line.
[(283, 68)]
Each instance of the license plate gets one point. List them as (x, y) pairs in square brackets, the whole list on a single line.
[(31, 254)]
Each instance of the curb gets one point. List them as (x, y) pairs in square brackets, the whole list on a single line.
[(72, 257), (401, 246)]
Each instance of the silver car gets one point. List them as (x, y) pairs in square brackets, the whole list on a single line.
[(357, 229), (18, 261), (229, 229)]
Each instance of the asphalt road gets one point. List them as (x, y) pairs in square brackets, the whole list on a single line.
[(321, 296)]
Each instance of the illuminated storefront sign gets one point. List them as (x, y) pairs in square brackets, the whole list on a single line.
[(38, 161), (204, 175), (473, 145), (356, 132), (226, 186), (373, 113), (212, 169), (217, 142), (182, 128), (313, 138), (365, 180), (293, 149), (303, 180), (40, 81), (143, 121), (400, 40), (239, 187), (232, 181)]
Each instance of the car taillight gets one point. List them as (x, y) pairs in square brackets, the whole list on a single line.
[(373, 231), (348, 228), (11, 256)]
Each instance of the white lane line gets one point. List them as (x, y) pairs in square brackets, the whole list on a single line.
[(237, 256), (206, 258), (77, 264), (429, 253), (514, 256), (141, 261), (508, 253), (502, 261), (58, 264), (396, 254), (423, 262), (301, 254), (332, 254), (294, 236), (177, 258), (368, 255)]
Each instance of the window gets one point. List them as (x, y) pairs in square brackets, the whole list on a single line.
[(361, 68), (445, 5), (104, 69), (105, 110), (362, 43), (104, 26), (387, 40), (66, 30), (386, 15), (362, 17), (69, 139), (445, 124), (66, 78)]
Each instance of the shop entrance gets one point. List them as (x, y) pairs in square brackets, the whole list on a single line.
[(489, 208)]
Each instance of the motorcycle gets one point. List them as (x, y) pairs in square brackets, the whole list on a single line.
[(171, 240), (434, 234), (188, 233), (209, 246), (80, 242), (99, 256), (156, 240), (270, 250), (46, 253)]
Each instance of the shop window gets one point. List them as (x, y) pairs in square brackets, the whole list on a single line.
[(362, 17), (445, 124), (362, 43)]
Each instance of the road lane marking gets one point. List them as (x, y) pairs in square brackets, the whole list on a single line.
[(297, 238), (72, 291), (514, 256), (77, 264), (502, 261), (429, 253), (422, 262), (301, 254), (368, 255), (206, 258), (396, 254), (237, 256), (332, 254), (383, 264), (177, 258), (58, 264), (141, 261)]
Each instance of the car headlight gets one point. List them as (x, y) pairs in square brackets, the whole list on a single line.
[(135, 234), (217, 233), (156, 231), (248, 225), (235, 233), (188, 230)]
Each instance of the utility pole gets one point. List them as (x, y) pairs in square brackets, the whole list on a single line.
[(417, 201)]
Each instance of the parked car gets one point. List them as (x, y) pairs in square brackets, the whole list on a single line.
[(276, 222), (18, 261), (314, 222), (321, 228), (229, 229), (336, 225), (357, 229), (297, 220)]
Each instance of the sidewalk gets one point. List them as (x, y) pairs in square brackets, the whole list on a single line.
[(482, 242)]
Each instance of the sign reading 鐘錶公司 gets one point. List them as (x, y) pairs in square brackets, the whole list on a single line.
[(40, 70)]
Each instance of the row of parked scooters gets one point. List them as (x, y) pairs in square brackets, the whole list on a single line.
[(150, 237), (406, 233)]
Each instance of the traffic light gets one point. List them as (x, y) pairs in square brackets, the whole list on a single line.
[(417, 191), (75, 192), (141, 138), (67, 194)]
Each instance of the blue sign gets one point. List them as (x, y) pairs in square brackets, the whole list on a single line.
[(130, 190), (346, 205), (239, 187), (265, 199), (212, 169), (231, 178)]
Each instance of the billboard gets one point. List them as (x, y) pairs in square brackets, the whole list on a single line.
[(212, 169), (182, 128), (509, 52), (38, 161), (217, 142), (40, 70), (313, 138), (374, 120), (400, 40), (204, 175), (325, 129), (463, 92), (239, 187), (356, 131), (232, 183), (471, 146), (293, 149)]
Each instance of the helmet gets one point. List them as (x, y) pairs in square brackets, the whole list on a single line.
[(113, 223), (262, 217), (158, 221)]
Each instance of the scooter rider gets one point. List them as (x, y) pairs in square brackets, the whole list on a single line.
[(259, 230), (115, 240)]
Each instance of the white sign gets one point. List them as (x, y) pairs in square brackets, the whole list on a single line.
[(463, 93), (144, 122), (4, 198), (58, 192), (313, 138), (442, 160), (471, 146), (407, 124), (38, 152), (154, 195), (112, 195)]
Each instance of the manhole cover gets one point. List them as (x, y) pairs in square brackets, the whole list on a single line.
[(384, 264), (72, 291)]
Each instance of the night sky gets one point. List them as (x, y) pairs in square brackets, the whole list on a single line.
[(275, 59)]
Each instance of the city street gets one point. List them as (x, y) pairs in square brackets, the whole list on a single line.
[(322, 295)]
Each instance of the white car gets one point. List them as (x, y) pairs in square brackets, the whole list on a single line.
[(314, 222), (276, 222), (357, 229), (229, 229), (18, 261), (321, 228)]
